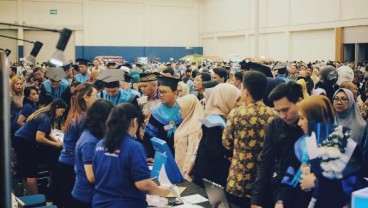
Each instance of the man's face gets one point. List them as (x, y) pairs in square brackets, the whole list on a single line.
[(217, 78), (55, 84), (198, 83), (308, 72), (167, 96), (287, 110), (96, 63), (148, 88), (38, 75), (112, 92), (293, 69), (83, 69)]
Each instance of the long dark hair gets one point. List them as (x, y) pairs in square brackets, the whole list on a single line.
[(27, 93), (118, 124), (78, 106), (96, 117), (50, 111)]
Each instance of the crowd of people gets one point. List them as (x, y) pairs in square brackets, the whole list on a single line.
[(246, 126)]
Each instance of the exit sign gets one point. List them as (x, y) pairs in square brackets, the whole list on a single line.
[(53, 11)]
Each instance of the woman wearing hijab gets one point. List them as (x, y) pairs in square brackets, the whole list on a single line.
[(212, 160), (348, 115), (188, 134), (182, 89), (31, 136), (302, 176)]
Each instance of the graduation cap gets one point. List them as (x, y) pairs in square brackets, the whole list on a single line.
[(280, 67), (66, 67), (169, 82), (111, 65), (261, 68), (148, 77), (75, 67), (111, 77), (81, 61), (55, 73)]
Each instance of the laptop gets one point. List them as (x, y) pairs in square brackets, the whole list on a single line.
[(216, 194)]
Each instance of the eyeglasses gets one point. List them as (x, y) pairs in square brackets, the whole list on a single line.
[(342, 100)]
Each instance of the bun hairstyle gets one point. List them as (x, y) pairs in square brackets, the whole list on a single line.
[(118, 124)]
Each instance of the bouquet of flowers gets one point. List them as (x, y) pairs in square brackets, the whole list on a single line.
[(333, 152)]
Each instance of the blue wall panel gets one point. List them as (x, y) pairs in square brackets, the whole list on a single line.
[(20, 52), (131, 53)]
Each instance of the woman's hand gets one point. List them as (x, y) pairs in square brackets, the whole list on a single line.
[(307, 182), (187, 177)]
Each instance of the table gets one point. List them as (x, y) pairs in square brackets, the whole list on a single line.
[(192, 188)]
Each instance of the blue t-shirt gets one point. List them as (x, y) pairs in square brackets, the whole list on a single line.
[(84, 153), (29, 129), (116, 173), (67, 155), (26, 111)]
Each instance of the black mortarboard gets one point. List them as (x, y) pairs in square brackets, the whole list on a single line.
[(81, 61), (75, 67), (139, 64), (148, 77), (66, 67), (261, 68), (169, 82), (55, 73), (111, 77), (111, 64), (127, 78)]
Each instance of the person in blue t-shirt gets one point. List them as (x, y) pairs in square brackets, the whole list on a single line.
[(29, 106), (29, 138), (85, 96), (122, 177), (95, 126)]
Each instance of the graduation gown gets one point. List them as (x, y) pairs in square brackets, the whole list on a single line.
[(162, 124)]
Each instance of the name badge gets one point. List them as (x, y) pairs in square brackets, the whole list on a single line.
[(169, 126)]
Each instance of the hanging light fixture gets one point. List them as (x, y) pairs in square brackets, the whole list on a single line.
[(58, 58), (31, 59)]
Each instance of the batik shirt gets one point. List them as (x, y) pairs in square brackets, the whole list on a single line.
[(244, 135)]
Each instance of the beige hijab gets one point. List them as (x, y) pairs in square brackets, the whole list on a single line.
[(184, 89), (191, 111), (222, 99)]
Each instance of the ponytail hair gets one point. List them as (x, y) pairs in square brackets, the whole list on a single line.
[(118, 124)]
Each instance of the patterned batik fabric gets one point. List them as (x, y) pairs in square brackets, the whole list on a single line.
[(244, 135)]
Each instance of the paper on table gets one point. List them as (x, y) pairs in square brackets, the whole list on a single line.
[(312, 146), (164, 181), (193, 199)]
